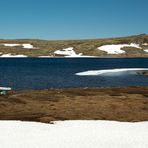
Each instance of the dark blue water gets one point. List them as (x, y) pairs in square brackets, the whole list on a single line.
[(42, 73)]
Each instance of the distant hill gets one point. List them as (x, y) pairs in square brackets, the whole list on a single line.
[(131, 46)]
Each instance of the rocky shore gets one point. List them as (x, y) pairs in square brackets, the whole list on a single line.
[(145, 73)]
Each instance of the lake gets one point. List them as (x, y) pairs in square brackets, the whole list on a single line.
[(44, 73)]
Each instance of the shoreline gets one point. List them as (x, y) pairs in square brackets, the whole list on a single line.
[(126, 104), (101, 57)]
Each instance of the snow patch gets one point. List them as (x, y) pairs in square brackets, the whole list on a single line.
[(10, 45), (99, 72), (69, 52), (116, 49), (66, 52), (26, 46), (45, 56), (145, 44), (80, 56), (146, 50), (73, 134), (9, 55)]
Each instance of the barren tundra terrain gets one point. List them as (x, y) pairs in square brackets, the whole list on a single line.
[(119, 104), (132, 46)]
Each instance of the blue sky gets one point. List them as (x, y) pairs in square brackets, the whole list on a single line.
[(72, 19)]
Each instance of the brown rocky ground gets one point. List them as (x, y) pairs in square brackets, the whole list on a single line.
[(121, 104)]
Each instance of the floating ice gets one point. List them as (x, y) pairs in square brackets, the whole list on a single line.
[(99, 72)]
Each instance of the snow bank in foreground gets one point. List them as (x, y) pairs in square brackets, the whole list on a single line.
[(73, 134), (116, 49), (9, 55), (99, 72), (27, 46)]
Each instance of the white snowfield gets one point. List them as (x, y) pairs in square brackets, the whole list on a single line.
[(9, 55), (117, 49), (26, 46), (73, 134), (99, 72), (69, 52)]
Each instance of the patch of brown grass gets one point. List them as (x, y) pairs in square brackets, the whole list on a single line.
[(120, 104)]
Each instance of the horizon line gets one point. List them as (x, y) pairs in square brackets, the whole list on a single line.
[(21, 38)]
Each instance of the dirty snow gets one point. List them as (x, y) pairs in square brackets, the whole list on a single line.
[(9, 55), (99, 72), (145, 44), (73, 134), (146, 50), (117, 49)]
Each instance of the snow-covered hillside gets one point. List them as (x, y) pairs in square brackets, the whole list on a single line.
[(73, 134)]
